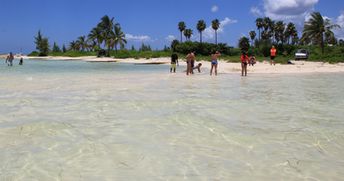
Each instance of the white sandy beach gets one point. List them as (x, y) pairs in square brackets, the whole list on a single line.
[(261, 67)]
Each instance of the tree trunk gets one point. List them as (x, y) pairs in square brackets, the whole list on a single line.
[(322, 45), (216, 37), (181, 36), (200, 36)]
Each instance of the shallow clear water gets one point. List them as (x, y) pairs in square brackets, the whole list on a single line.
[(110, 121)]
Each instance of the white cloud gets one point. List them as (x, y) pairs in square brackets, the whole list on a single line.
[(256, 11), (170, 38), (289, 10), (131, 37), (209, 32), (214, 9), (340, 21)]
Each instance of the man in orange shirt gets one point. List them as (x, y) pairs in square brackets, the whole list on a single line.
[(273, 52)]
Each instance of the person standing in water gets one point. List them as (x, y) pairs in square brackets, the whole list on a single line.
[(214, 62), (273, 52), (190, 60), (9, 59), (244, 61), (174, 62)]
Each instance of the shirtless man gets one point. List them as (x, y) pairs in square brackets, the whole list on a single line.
[(9, 59), (190, 61), (214, 62)]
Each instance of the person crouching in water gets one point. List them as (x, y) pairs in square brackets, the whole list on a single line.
[(174, 62), (244, 61), (252, 60), (214, 62)]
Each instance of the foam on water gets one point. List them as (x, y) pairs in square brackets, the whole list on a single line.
[(96, 121)]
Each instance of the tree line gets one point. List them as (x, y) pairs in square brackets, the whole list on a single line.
[(316, 31), (201, 26), (106, 35)]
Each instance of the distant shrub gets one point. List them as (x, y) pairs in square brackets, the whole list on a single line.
[(204, 49)]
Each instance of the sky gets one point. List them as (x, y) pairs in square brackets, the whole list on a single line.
[(153, 22)]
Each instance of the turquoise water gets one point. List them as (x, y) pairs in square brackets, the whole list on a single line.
[(111, 121)]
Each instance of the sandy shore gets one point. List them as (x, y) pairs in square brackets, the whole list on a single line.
[(224, 67)]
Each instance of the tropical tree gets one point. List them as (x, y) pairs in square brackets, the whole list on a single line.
[(81, 41), (259, 24), (42, 44), (252, 36), (174, 44), (215, 24), (267, 23), (290, 32), (74, 46), (201, 27), (64, 50), (244, 44), (330, 38), (119, 37), (96, 36), (56, 48), (279, 31), (315, 29), (181, 27), (188, 33), (106, 25)]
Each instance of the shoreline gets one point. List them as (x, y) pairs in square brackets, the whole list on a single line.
[(224, 67)]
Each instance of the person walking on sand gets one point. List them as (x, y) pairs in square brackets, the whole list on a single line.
[(9, 59), (190, 59), (244, 61), (214, 62), (174, 62), (273, 52)]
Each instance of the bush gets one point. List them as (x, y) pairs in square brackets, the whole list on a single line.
[(204, 49)]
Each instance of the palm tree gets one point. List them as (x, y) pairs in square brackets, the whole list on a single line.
[(96, 35), (259, 24), (119, 37), (279, 30), (252, 36), (82, 42), (181, 27), (106, 25), (290, 31), (330, 38), (215, 24), (244, 44), (266, 23), (201, 27), (74, 46), (316, 27), (188, 33)]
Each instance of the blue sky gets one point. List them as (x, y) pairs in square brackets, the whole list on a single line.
[(153, 22)]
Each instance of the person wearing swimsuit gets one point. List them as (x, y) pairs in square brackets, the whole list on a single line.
[(244, 61), (214, 62)]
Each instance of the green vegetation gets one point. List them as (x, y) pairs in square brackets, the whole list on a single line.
[(106, 35), (42, 44), (317, 38)]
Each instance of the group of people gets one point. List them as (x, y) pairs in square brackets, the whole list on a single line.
[(10, 58), (190, 61), (245, 60)]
